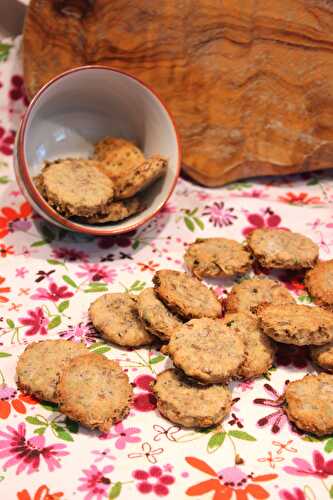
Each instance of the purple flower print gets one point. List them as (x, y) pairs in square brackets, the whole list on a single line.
[(220, 216), (97, 272), (69, 254), (278, 418), (83, 332), (123, 435), (36, 321), (54, 293), (27, 453), (95, 483), (320, 467), (21, 225)]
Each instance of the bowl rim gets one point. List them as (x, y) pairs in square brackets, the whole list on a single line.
[(37, 197)]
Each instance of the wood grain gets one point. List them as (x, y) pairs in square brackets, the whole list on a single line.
[(250, 82)]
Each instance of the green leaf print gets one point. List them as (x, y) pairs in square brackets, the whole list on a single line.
[(135, 244), (329, 446), (96, 287), (238, 186), (216, 441), (305, 299), (4, 51), (54, 262), (39, 243), (40, 431), (69, 281), (137, 286), (242, 435), (63, 306), (156, 359), (54, 323), (189, 224), (115, 490), (102, 350), (10, 323), (4, 354), (49, 406), (331, 491), (35, 421), (199, 223), (4, 179), (61, 433), (72, 426)]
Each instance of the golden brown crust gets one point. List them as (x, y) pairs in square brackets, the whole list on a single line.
[(116, 317), (250, 293), (207, 350), (319, 283), (94, 391), (157, 319), (115, 152), (77, 187), (118, 210), (279, 249), (217, 257), (309, 403), (296, 324), (259, 349), (41, 364), (185, 295), (188, 403)]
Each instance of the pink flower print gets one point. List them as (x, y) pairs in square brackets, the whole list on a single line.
[(123, 435), (6, 141), (97, 272), (69, 254), (320, 467), (103, 454), (95, 483), (167, 209), (27, 453), (144, 401), (36, 321), (296, 494), (266, 220), (254, 193), (123, 240), (202, 196), (278, 418), (153, 480), (83, 332), (219, 215), (54, 293), (21, 272)]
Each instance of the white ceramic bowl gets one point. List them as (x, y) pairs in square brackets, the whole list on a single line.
[(76, 109)]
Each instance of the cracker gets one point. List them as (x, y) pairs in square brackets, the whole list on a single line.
[(129, 182), (94, 391), (259, 349), (118, 210), (188, 403), (185, 295), (217, 257), (117, 154), (207, 350), (77, 187), (279, 249), (250, 293), (157, 319), (309, 403), (319, 283), (296, 324), (323, 356), (116, 317), (41, 364)]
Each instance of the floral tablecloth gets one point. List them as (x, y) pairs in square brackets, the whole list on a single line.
[(47, 280)]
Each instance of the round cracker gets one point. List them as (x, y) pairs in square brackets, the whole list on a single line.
[(118, 210), (217, 257), (250, 293), (40, 365), (296, 324), (319, 283), (259, 349), (188, 403), (207, 350), (116, 317), (77, 187), (117, 154), (94, 391), (279, 249), (157, 319), (185, 295), (310, 402)]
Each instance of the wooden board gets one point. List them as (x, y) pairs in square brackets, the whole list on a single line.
[(250, 82)]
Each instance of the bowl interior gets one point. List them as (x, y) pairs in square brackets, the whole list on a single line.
[(87, 104)]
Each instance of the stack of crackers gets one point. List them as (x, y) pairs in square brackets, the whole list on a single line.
[(107, 188), (207, 351)]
